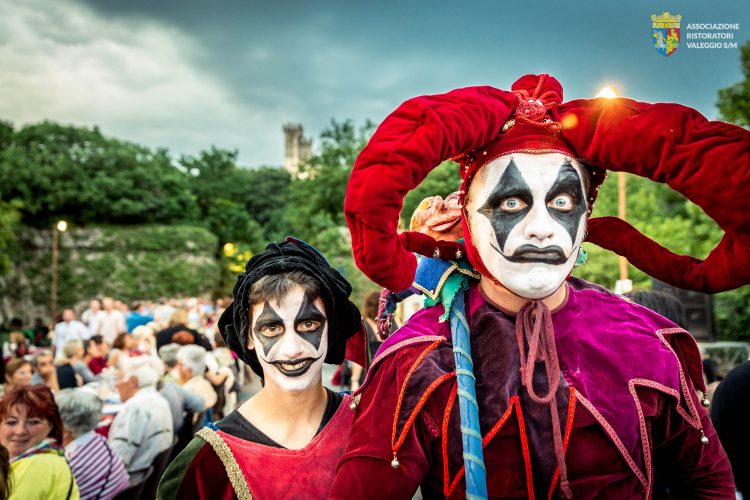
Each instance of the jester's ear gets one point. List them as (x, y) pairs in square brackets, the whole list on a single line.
[(707, 161)]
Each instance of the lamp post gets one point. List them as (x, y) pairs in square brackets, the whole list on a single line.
[(60, 227), (623, 284)]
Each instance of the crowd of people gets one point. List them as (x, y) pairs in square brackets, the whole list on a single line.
[(97, 406)]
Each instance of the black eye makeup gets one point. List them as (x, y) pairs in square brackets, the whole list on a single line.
[(268, 327), (310, 321)]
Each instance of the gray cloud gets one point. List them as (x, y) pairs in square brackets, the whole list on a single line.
[(186, 75)]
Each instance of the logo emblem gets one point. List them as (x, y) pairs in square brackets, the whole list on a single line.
[(666, 33)]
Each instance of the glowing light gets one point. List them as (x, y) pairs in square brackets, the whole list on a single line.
[(62, 226), (607, 92)]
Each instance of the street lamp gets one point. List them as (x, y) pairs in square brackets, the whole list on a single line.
[(623, 285), (60, 227)]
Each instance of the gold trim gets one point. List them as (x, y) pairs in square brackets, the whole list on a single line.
[(230, 464), (433, 295)]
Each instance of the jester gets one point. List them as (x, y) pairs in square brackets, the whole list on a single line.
[(520, 381)]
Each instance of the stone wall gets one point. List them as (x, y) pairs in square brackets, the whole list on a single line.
[(132, 262)]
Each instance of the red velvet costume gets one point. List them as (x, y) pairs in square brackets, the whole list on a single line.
[(628, 422), (608, 406), (222, 466)]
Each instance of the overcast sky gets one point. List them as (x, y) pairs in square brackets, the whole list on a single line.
[(187, 75)]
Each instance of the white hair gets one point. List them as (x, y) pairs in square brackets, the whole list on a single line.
[(148, 370), (80, 411), (193, 357), (142, 332)]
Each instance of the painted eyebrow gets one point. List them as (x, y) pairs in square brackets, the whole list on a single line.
[(267, 317), (511, 183), (567, 180), (308, 311)]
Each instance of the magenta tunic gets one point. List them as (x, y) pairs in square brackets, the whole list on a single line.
[(631, 419)]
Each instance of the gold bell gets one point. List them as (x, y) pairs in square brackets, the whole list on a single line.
[(395, 463), (436, 254), (705, 402), (458, 254), (704, 439)]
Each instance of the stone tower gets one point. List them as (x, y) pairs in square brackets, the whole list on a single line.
[(297, 148)]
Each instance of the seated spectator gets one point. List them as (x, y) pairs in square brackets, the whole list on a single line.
[(179, 333), (222, 372), (168, 354), (45, 372), (21, 343), (72, 371), (31, 430), (98, 470), (96, 354), (191, 367), (143, 427), (180, 401), (18, 373), (143, 337), (124, 346), (68, 329)]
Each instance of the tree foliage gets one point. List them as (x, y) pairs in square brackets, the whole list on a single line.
[(734, 101), (316, 197), (74, 173)]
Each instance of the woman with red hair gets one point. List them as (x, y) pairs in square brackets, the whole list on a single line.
[(31, 430)]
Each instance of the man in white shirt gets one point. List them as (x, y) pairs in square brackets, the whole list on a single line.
[(68, 329), (143, 428), (92, 317), (113, 321)]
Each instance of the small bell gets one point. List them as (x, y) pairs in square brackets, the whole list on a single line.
[(705, 402), (704, 439), (355, 402), (395, 463), (436, 254), (458, 254)]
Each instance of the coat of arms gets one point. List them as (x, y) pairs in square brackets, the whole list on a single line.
[(666, 33)]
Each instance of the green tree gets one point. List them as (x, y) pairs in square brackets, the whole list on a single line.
[(9, 217), (316, 196), (734, 101), (74, 173), (732, 311), (442, 180), (268, 198), (221, 189)]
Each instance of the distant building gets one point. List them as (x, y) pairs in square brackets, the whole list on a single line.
[(297, 148)]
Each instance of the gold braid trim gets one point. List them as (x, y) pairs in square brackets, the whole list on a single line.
[(230, 464)]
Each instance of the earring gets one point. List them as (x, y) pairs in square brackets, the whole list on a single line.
[(581, 259)]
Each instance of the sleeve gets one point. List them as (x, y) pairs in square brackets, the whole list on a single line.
[(367, 459), (689, 468), (193, 402), (127, 433), (85, 372), (195, 473)]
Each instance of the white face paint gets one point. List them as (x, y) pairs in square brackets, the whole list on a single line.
[(290, 337), (527, 217)]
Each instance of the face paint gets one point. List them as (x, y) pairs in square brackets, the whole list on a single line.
[(526, 214), (291, 339)]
